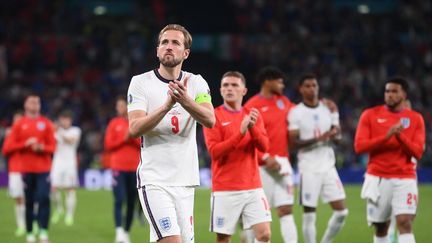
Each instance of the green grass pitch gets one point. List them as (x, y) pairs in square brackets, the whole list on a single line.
[(94, 221)]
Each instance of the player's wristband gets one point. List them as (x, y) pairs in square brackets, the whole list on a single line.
[(203, 98)]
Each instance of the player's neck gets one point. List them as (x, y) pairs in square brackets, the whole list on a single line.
[(32, 114), (311, 102), (395, 109), (232, 106), (169, 73), (266, 93)]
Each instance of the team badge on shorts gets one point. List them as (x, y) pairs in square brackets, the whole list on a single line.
[(307, 196), (280, 104), (165, 223), (405, 121), (220, 221)]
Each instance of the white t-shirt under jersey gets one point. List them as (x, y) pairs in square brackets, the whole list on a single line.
[(65, 155), (311, 122), (169, 155)]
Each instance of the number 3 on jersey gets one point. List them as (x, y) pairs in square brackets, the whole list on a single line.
[(175, 123)]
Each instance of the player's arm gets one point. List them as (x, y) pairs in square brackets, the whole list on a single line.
[(48, 144), (112, 141), (200, 109), (296, 143), (140, 122), (363, 142), (414, 146), (257, 131), (217, 146), (71, 138)]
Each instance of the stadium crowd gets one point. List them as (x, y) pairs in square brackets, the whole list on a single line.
[(77, 56)]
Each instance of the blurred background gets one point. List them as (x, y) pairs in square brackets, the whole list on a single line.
[(81, 54)]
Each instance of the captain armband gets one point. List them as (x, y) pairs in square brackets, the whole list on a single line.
[(203, 98)]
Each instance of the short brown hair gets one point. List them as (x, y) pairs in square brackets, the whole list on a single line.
[(187, 36), (236, 74)]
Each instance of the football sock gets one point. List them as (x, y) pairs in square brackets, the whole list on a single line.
[(309, 229), (288, 229)]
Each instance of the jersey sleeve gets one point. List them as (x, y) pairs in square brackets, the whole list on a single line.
[(49, 140), (414, 146), (216, 145), (259, 135), (112, 141), (293, 120), (11, 143), (363, 142), (136, 96), (202, 91)]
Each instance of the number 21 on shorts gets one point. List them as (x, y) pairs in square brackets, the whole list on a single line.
[(175, 123)]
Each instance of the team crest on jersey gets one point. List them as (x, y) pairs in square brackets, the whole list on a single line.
[(130, 99), (165, 223), (405, 121), (280, 104), (316, 117), (41, 126), (220, 221)]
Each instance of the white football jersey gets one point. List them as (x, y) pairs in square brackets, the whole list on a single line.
[(312, 122), (65, 155), (169, 155)]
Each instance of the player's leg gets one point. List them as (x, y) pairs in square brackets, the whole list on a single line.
[(379, 211), (225, 211), (392, 231), (334, 193), (160, 211), (310, 187), (58, 204), (29, 192), (71, 182), (43, 199), (404, 205), (16, 191), (257, 215), (131, 197), (70, 205), (283, 201), (119, 193)]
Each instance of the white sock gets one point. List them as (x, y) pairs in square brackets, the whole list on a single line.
[(288, 229), (248, 235), (20, 215), (309, 229), (119, 234), (257, 241), (70, 203), (58, 201), (383, 239), (334, 225), (406, 238)]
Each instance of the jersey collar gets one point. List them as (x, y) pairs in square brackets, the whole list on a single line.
[(159, 76)]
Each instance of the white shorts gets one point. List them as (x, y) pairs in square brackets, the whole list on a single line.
[(395, 196), (64, 178), (327, 184), (169, 211), (278, 189), (228, 206), (16, 185)]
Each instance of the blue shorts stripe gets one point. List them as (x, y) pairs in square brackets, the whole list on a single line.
[(153, 221)]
